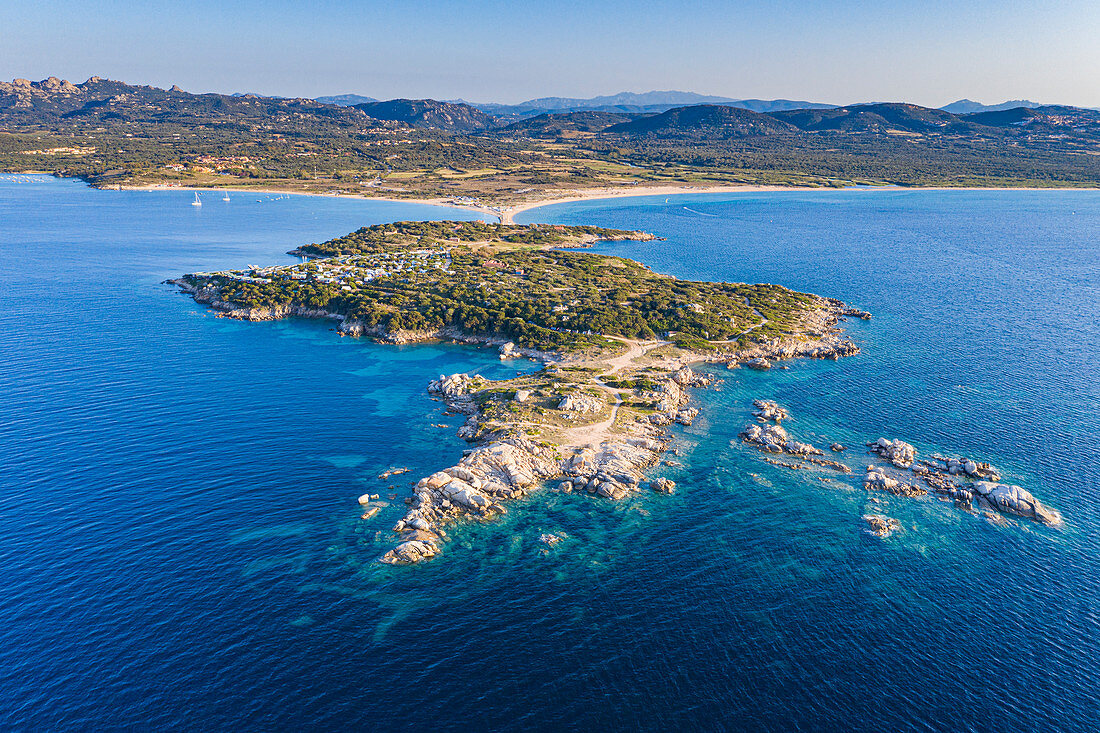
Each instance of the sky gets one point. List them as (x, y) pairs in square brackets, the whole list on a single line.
[(930, 52)]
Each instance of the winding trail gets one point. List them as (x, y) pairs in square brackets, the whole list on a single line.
[(583, 436), (763, 320)]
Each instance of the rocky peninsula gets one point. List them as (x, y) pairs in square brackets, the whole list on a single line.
[(615, 339)]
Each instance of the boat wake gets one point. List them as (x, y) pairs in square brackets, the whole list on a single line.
[(700, 213)]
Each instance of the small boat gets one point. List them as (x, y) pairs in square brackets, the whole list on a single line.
[(226, 196), (196, 202)]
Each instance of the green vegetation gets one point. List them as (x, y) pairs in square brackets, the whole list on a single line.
[(388, 279), (380, 237), (110, 133)]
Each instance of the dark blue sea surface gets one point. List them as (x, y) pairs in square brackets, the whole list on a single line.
[(181, 547)]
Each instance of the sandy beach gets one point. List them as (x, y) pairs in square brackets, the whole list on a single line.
[(507, 214)]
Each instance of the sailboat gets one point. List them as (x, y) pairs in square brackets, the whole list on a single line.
[(226, 196), (196, 202)]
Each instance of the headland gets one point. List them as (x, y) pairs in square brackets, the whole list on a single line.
[(615, 339)]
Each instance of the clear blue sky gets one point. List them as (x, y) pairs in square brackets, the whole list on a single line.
[(929, 52)]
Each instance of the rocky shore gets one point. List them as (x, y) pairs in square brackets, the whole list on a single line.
[(593, 422), (509, 463), (210, 295), (506, 466)]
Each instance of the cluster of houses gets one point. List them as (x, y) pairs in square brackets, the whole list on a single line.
[(349, 271)]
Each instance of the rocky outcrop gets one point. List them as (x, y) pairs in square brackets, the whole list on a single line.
[(897, 452), (903, 475), (880, 479), (951, 478), (687, 377), (1013, 499), (663, 485), (773, 438), (456, 385), (824, 341), (493, 474), (853, 312), (881, 526), (963, 466), (769, 411), (412, 551), (474, 488), (581, 403)]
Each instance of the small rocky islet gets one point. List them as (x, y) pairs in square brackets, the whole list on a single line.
[(971, 485)]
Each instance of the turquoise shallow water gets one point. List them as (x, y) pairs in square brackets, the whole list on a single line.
[(181, 545)]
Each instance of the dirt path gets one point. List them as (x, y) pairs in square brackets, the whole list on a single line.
[(763, 320), (591, 435)]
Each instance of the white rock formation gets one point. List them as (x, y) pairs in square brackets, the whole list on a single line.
[(897, 452), (769, 410), (581, 403)]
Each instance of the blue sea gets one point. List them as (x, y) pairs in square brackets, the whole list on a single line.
[(181, 546)]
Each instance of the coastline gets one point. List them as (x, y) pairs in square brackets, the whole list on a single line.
[(595, 421), (442, 202), (687, 190), (597, 418), (508, 212), (599, 194)]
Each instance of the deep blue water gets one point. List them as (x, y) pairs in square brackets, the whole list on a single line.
[(181, 546)]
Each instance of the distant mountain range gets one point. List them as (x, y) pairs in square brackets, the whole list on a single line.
[(137, 129), (429, 113), (637, 103), (103, 101), (631, 102), (723, 119), (723, 122), (624, 102), (656, 102), (346, 100), (967, 106)]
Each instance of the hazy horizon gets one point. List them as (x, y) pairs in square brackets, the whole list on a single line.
[(132, 82), (493, 51)]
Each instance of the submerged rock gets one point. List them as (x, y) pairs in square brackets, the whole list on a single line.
[(410, 552), (881, 526), (663, 485), (551, 539)]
